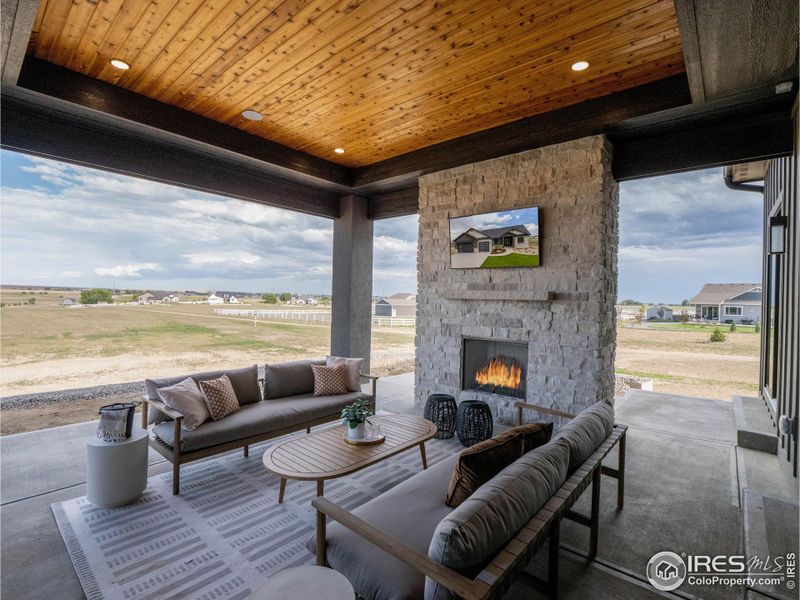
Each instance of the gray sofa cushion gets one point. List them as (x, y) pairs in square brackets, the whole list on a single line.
[(289, 378), (409, 512), (470, 536), (258, 418), (244, 381), (586, 432)]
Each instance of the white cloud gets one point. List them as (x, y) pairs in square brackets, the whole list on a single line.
[(127, 271), (215, 258), (71, 274)]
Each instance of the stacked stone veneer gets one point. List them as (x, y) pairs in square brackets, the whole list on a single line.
[(564, 309)]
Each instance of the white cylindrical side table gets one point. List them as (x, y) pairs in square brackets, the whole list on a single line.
[(116, 472), (309, 581)]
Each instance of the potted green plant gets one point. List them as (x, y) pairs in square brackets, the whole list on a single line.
[(355, 415)]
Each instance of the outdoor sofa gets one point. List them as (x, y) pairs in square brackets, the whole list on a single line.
[(285, 403), (475, 551)]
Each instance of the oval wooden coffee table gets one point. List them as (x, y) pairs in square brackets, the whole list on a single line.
[(324, 454)]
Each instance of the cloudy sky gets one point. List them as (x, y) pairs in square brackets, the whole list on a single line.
[(67, 225), (680, 231)]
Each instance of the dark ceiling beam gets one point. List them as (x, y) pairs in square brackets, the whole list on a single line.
[(16, 23), (581, 120), (44, 126), (734, 45), (397, 203), (753, 125), (166, 120)]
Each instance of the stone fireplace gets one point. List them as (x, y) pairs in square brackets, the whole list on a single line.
[(494, 367), (556, 323)]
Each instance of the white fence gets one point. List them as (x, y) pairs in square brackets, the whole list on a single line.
[(309, 316)]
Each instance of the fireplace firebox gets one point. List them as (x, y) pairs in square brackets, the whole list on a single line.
[(494, 367)]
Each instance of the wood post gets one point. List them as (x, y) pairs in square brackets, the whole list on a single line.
[(594, 527), (281, 490), (321, 539), (176, 458), (552, 560), (144, 415), (422, 454), (320, 487)]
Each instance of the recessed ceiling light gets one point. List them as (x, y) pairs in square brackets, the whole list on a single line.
[(339, 150), (252, 115), (119, 64), (581, 65)]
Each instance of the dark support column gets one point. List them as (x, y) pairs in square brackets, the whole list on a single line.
[(351, 325)]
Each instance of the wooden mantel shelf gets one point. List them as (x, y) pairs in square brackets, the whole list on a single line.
[(516, 296)]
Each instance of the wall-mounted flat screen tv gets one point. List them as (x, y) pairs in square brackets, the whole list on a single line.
[(498, 240)]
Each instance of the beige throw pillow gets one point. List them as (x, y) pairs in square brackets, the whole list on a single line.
[(219, 397), (352, 378), (187, 399), (329, 381)]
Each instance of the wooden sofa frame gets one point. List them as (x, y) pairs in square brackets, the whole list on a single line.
[(511, 561), (177, 457)]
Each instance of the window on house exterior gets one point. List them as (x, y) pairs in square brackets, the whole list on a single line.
[(520, 240), (733, 311)]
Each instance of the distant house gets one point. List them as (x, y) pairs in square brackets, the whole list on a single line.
[(485, 240), (728, 302), (68, 302), (311, 301), (397, 305), (233, 299), (660, 312), (214, 299), (156, 297)]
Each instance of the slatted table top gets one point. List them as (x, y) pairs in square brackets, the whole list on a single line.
[(324, 454)]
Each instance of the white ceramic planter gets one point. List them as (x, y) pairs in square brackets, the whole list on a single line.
[(358, 432)]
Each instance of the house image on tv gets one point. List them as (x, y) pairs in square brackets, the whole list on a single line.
[(483, 241)]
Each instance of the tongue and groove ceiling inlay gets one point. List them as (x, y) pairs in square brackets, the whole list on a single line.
[(377, 77)]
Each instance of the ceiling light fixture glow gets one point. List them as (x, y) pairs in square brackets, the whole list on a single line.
[(581, 65), (252, 115), (118, 63), (339, 150)]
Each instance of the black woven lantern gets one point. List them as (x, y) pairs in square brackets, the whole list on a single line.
[(441, 410), (474, 422)]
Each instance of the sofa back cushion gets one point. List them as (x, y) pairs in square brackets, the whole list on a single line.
[(244, 382), (289, 378), (478, 464), (586, 432), (470, 536)]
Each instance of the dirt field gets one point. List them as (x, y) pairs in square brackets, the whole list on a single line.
[(686, 363), (46, 347)]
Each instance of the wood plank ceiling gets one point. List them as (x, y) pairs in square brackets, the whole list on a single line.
[(377, 77)]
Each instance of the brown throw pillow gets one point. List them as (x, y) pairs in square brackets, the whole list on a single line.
[(481, 462), (219, 397), (533, 435), (329, 381)]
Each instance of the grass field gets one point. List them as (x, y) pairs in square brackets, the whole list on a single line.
[(44, 348), (705, 327), (511, 260), (47, 347)]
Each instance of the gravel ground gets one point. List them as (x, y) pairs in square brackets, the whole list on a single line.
[(99, 393)]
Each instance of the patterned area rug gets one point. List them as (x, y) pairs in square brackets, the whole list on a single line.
[(223, 536)]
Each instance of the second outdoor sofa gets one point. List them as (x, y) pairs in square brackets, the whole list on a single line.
[(286, 403)]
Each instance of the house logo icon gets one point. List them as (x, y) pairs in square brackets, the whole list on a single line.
[(666, 571)]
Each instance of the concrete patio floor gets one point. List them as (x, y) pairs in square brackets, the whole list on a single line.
[(684, 488)]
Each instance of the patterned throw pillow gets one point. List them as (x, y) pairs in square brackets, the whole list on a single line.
[(329, 381), (219, 397)]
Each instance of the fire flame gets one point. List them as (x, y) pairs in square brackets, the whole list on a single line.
[(500, 372)]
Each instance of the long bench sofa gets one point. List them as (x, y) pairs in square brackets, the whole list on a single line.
[(284, 404), (474, 551)]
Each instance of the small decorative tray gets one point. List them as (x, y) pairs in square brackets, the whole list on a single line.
[(366, 441)]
